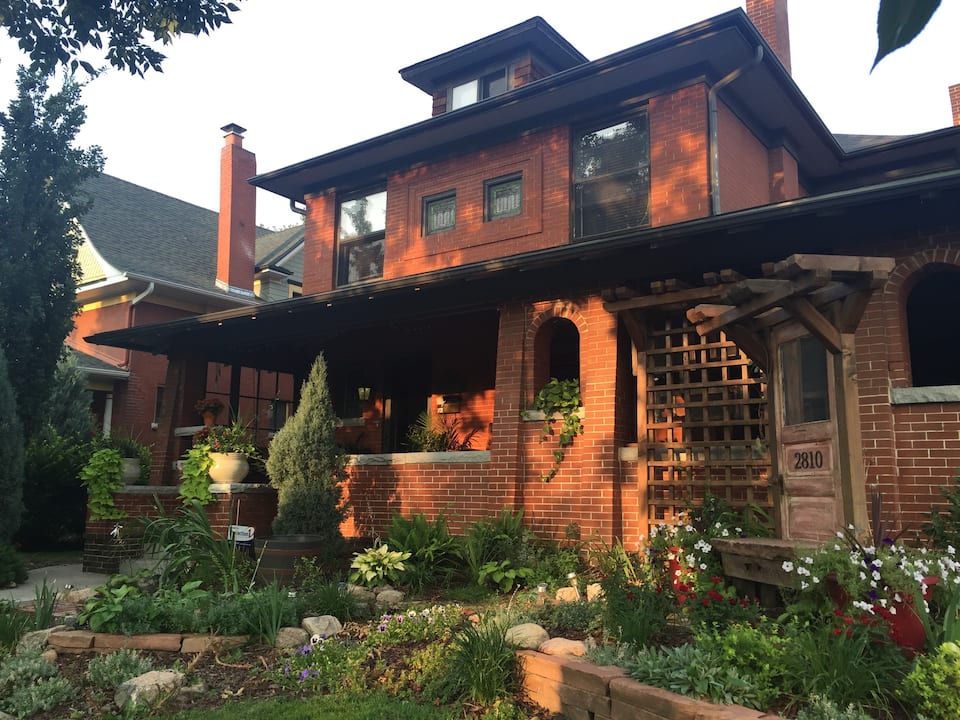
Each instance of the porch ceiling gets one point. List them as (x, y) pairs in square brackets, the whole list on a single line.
[(286, 335)]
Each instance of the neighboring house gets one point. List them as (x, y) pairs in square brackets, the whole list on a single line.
[(751, 304), (147, 258)]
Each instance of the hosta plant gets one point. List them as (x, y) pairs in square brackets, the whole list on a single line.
[(377, 564)]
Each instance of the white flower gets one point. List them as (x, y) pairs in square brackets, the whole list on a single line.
[(808, 560), (839, 534), (725, 533), (703, 566), (411, 613), (951, 550), (815, 579), (688, 528), (893, 610), (787, 566), (315, 639), (836, 547), (804, 585)]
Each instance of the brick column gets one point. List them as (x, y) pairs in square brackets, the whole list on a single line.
[(186, 383)]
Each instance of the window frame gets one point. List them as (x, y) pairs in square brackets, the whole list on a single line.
[(489, 186), (430, 200), (482, 83), (360, 241), (578, 183)]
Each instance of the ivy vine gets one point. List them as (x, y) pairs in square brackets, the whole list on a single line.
[(102, 476), (195, 483), (559, 398)]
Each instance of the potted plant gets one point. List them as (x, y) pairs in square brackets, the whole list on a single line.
[(209, 409), (559, 399), (221, 451), (135, 457), (307, 468)]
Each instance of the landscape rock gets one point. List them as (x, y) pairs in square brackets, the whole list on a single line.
[(325, 626), (528, 636), (594, 591), (37, 639), (568, 594), (191, 693), (49, 655), (147, 688), (289, 637), (361, 595), (563, 646), (389, 600), (78, 596)]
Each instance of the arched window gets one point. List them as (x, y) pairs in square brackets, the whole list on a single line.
[(933, 327), (557, 351)]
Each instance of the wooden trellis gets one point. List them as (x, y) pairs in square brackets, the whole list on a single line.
[(703, 425)]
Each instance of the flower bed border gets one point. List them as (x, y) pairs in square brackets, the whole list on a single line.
[(80, 641), (582, 691)]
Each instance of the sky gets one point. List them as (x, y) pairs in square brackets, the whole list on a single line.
[(306, 77)]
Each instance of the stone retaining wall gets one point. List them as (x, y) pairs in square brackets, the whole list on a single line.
[(79, 641), (582, 691)]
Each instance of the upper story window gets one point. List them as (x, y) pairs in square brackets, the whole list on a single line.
[(439, 213), (488, 86), (362, 223), (611, 176), (503, 197)]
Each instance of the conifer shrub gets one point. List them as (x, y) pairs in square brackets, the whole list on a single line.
[(11, 458)]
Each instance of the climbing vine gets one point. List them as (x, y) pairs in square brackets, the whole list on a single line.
[(559, 398)]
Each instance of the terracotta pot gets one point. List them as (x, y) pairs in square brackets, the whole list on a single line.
[(208, 418), (228, 467)]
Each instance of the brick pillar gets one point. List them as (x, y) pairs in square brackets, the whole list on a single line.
[(505, 485), (186, 383), (770, 18), (955, 103), (784, 181)]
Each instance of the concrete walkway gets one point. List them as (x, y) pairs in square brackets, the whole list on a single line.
[(58, 576)]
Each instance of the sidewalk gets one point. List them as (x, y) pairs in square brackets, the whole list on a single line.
[(58, 576)]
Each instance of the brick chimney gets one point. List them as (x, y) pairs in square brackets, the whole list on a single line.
[(236, 236), (955, 103), (770, 18)]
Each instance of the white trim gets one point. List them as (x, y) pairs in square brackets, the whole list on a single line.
[(422, 458)]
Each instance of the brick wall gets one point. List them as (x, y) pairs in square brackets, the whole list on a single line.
[(744, 164)]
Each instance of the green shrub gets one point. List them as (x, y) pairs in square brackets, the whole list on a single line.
[(270, 610), (692, 671), (579, 617), (112, 669), (323, 666), (377, 565), (12, 569), (483, 666), (933, 686), (755, 650), (102, 476), (104, 610), (430, 433), (331, 598), (635, 613), (943, 524), (822, 709), (502, 537), (13, 624), (434, 554), (25, 668), (307, 467), (42, 696), (11, 458)]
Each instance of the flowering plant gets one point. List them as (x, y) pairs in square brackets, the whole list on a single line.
[(412, 626), (323, 664), (209, 405), (234, 438)]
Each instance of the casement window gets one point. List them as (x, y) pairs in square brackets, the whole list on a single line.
[(488, 86), (933, 344), (611, 176), (503, 197), (439, 213), (362, 223)]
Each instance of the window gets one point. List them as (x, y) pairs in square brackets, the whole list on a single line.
[(556, 352), (158, 404), (611, 175), (439, 213), (361, 230), (503, 197), (488, 86), (805, 381), (933, 334), (279, 412)]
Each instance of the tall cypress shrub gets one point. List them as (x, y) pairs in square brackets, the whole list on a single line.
[(307, 467), (11, 457)]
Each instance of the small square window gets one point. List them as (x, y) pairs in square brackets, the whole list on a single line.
[(503, 197), (463, 95), (439, 213)]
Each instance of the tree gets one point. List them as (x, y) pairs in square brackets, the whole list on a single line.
[(899, 22), (40, 201), (306, 465), (54, 32), (11, 458)]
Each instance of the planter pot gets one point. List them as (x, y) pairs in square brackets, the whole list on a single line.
[(130, 472), (279, 555), (228, 467)]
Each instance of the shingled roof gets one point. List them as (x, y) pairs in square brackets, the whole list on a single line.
[(141, 231)]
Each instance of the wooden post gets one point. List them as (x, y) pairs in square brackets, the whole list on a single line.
[(849, 438)]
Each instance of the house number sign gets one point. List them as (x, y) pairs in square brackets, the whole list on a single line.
[(809, 458)]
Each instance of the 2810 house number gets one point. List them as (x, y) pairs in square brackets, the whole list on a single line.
[(808, 458)]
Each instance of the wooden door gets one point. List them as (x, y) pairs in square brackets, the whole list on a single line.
[(805, 413)]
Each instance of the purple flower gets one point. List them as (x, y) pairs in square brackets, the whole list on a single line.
[(399, 618), (305, 650), (304, 674), (286, 669), (381, 627)]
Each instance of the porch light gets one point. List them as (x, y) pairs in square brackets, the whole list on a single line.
[(363, 393)]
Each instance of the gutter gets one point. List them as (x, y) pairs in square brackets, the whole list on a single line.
[(713, 155)]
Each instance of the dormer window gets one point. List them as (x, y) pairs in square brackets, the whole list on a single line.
[(487, 86)]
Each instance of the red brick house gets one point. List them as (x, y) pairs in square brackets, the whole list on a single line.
[(674, 226), (148, 258)]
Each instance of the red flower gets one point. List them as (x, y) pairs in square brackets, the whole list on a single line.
[(706, 603), (715, 595), (716, 580), (837, 631)]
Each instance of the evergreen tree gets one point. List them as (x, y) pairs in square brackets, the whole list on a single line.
[(40, 201), (306, 465), (11, 458), (69, 413)]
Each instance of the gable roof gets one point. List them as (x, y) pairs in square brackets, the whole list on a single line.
[(137, 231)]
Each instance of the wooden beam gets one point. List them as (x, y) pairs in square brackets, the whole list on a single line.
[(800, 262), (814, 321), (760, 303), (680, 297), (634, 326), (751, 343), (704, 311), (849, 436)]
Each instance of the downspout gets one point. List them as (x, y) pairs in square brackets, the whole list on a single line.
[(133, 303), (297, 208), (713, 156)]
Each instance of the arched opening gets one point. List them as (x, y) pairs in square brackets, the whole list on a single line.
[(557, 351), (933, 328)]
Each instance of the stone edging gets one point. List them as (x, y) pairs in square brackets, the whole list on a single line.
[(79, 641), (579, 689)]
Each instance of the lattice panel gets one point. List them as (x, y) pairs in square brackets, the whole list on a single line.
[(704, 424)]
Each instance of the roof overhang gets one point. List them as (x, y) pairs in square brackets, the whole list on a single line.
[(126, 284), (279, 335)]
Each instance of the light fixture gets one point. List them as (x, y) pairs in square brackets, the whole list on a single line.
[(363, 393)]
